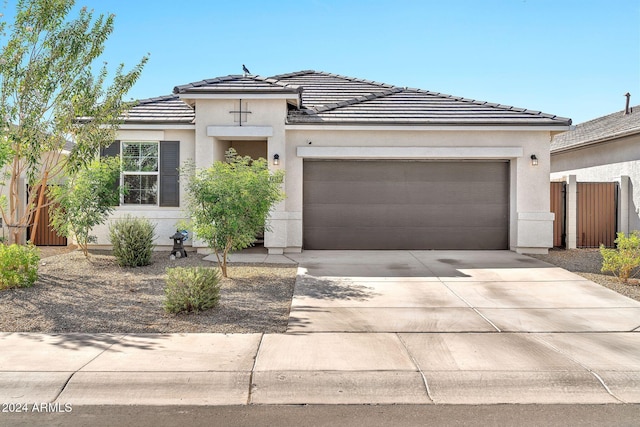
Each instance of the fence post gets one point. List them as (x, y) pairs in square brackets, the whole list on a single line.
[(623, 208), (572, 212)]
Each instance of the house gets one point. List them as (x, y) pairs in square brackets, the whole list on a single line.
[(367, 165), (605, 149)]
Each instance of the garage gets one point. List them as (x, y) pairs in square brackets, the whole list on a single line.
[(395, 204)]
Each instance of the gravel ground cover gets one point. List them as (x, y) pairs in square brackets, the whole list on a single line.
[(587, 263), (73, 294)]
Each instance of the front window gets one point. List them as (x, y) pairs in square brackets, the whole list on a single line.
[(140, 172)]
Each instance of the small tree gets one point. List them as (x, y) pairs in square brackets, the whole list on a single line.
[(50, 94), (86, 201), (230, 201)]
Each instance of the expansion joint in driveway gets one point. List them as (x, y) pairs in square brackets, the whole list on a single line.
[(472, 307), (253, 369), (591, 371), (417, 365)]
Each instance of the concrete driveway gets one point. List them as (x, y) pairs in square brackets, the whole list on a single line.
[(469, 327), (450, 291)]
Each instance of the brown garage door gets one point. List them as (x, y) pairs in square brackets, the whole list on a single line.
[(351, 204)]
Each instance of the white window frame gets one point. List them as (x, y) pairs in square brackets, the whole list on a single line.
[(139, 173)]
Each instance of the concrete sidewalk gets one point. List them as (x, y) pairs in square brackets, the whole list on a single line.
[(344, 368), (366, 328)]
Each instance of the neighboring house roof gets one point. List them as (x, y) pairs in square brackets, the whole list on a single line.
[(326, 98), (605, 128)]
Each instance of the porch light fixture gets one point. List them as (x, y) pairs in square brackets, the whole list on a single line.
[(534, 160), (276, 159)]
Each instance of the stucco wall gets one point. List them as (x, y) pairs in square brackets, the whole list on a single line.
[(530, 220), (605, 162), (165, 217)]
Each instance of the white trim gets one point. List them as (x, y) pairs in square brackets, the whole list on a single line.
[(536, 216), (243, 131), (247, 95), (409, 152), (405, 127), (124, 173), (158, 126)]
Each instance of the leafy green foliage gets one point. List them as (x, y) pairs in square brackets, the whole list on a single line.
[(18, 266), (132, 240), (85, 201), (623, 261), (50, 93), (6, 153), (191, 289), (229, 202)]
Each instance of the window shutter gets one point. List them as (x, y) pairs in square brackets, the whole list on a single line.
[(112, 150), (169, 174)]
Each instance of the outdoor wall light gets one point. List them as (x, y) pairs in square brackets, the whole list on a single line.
[(534, 160), (276, 159)]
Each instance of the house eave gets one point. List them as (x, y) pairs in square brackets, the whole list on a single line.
[(239, 95), (157, 126), (427, 127)]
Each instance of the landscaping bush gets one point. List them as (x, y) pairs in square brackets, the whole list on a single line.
[(191, 289), (625, 259), (18, 266), (132, 240)]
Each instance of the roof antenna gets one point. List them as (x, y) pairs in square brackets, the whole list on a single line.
[(626, 108), (246, 70)]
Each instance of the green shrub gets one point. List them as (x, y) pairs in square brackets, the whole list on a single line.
[(132, 240), (191, 289), (18, 266), (625, 259)]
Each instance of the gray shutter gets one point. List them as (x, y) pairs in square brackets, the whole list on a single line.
[(169, 174), (112, 150)]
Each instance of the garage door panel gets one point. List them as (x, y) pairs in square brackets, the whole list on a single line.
[(402, 193), (403, 171), (393, 238), (346, 215), (405, 205)]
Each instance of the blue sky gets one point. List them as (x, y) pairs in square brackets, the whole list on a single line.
[(570, 58)]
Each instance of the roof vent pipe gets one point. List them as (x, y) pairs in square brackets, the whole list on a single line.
[(626, 108)]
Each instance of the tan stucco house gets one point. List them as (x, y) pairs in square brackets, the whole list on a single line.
[(368, 165), (605, 149)]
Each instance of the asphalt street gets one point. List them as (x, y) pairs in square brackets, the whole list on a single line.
[(335, 415)]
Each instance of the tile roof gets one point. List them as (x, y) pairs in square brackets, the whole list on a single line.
[(334, 99), (605, 128), (237, 84), (163, 109), (320, 89)]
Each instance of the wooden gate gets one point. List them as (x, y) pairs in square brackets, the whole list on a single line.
[(45, 234), (597, 214), (558, 203)]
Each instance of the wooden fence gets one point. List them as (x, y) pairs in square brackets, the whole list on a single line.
[(597, 214)]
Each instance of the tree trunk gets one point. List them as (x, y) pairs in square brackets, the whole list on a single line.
[(40, 193), (222, 263)]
